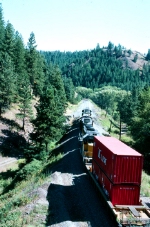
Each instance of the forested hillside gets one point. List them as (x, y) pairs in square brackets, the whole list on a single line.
[(100, 67), (26, 76)]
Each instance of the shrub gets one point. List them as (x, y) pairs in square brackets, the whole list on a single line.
[(30, 169)]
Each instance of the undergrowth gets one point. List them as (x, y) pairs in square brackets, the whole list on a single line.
[(19, 188), (145, 186)]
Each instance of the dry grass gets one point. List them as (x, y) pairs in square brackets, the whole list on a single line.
[(71, 108), (6, 167)]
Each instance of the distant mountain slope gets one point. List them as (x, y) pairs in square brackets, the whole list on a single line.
[(112, 65), (128, 60)]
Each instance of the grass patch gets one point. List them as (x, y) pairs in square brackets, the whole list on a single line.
[(38, 216), (105, 122), (20, 187), (71, 108), (145, 186)]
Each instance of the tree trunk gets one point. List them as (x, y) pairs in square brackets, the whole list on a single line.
[(23, 123), (111, 122), (106, 111), (110, 126), (46, 147), (120, 128)]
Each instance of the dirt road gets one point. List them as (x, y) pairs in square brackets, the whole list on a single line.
[(6, 163)]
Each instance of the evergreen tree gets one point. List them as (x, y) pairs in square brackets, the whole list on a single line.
[(19, 54), (8, 43), (69, 89), (148, 55), (39, 79), (35, 66), (31, 59), (7, 83), (19, 62), (135, 58), (119, 51), (129, 52), (110, 48), (55, 80), (2, 28), (46, 124), (140, 125), (125, 111), (25, 98)]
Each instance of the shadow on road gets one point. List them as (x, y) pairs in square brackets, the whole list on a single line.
[(11, 144)]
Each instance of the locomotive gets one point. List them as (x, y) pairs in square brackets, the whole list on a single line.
[(116, 170)]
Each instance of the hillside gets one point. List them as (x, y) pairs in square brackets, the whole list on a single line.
[(12, 137), (128, 60), (113, 66)]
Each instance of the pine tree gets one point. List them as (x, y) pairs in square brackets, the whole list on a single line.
[(19, 62), (148, 55), (2, 28), (69, 89), (125, 110), (31, 59), (55, 80), (35, 66), (135, 58), (25, 108), (48, 125), (7, 83), (140, 125), (19, 54), (119, 51), (129, 52), (39, 79), (47, 120), (110, 48), (8, 43)]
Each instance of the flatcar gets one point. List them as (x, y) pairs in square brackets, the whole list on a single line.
[(116, 170)]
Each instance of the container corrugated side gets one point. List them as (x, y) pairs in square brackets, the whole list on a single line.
[(119, 194), (95, 169), (122, 164)]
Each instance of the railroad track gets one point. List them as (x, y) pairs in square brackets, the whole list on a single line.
[(75, 204)]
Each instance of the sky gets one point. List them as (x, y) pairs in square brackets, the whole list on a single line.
[(73, 25)]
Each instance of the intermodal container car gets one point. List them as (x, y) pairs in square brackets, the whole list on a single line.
[(120, 163), (118, 194), (95, 169)]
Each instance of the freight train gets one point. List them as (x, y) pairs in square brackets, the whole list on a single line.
[(116, 170)]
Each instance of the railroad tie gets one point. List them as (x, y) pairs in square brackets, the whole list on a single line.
[(134, 211)]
